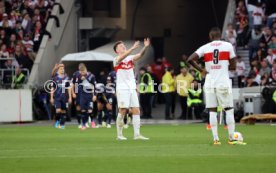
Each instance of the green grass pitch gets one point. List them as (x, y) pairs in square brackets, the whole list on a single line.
[(172, 148)]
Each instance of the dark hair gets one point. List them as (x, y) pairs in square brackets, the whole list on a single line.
[(214, 33), (116, 44)]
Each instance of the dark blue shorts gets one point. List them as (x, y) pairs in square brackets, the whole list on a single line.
[(61, 104), (77, 100), (86, 103)]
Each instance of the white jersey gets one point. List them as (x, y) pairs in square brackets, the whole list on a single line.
[(216, 57), (125, 78)]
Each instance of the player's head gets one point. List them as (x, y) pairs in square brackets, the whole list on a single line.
[(61, 69), (215, 34), (109, 79), (81, 65), (119, 47), (83, 70)]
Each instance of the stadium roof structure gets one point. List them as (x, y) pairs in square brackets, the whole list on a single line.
[(104, 53)]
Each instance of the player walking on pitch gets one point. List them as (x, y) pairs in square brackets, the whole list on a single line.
[(126, 86), (219, 57)]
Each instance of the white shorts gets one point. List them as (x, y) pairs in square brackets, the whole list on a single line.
[(127, 98), (215, 97)]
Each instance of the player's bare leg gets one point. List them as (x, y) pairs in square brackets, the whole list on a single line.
[(136, 121), (214, 124), (120, 123)]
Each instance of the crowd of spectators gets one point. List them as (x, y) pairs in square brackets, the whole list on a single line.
[(255, 29), (22, 26)]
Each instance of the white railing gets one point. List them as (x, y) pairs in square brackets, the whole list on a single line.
[(63, 41)]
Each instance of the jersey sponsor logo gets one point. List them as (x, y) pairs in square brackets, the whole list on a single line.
[(215, 67), (216, 56), (124, 66), (216, 44)]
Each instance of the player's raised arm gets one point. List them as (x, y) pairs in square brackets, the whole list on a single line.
[(122, 55), (143, 51)]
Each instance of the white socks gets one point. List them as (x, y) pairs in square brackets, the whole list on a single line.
[(214, 125), (120, 124), (230, 121), (136, 124)]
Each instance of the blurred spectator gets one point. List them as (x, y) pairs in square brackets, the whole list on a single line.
[(267, 35), (18, 79), (26, 23), (270, 57), (158, 69), (23, 60), (272, 45), (265, 70), (273, 74), (183, 83), (168, 89), (259, 56), (258, 16), (231, 38), (270, 12), (166, 63), (240, 69), (254, 41)]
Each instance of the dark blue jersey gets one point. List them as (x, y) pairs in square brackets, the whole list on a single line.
[(60, 84), (112, 74), (76, 80), (87, 84)]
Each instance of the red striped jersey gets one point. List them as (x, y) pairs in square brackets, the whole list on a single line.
[(125, 78), (216, 56)]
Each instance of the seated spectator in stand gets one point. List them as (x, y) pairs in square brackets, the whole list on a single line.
[(23, 60), (230, 30), (240, 69), (272, 45), (29, 44), (6, 19), (259, 57), (270, 57), (231, 38), (12, 43), (4, 52), (270, 12), (265, 80), (273, 74), (26, 23), (265, 69), (267, 35)]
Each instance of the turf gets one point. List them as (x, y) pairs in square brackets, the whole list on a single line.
[(182, 148)]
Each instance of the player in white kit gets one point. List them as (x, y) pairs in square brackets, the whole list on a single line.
[(126, 86), (219, 58)]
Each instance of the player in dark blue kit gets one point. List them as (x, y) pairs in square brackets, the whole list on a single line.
[(105, 98), (87, 96), (75, 93), (60, 94)]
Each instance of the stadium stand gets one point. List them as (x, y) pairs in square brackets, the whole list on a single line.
[(22, 27)]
